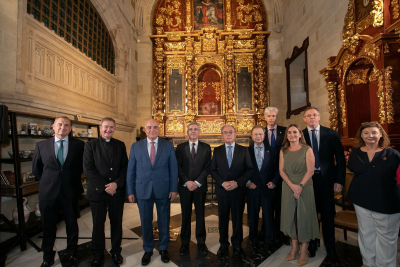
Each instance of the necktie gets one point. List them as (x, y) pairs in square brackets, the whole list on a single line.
[(193, 151), (60, 153), (259, 158), (272, 138), (315, 148), (229, 155), (152, 153)]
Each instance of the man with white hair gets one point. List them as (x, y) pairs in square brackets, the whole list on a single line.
[(274, 136)]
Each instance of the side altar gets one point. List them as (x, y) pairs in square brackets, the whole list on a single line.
[(209, 65)]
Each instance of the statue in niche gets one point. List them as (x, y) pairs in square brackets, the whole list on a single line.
[(209, 104), (209, 98), (175, 91), (208, 13), (244, 87)]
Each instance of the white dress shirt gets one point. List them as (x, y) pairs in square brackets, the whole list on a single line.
[(57, 145), (149, 145)]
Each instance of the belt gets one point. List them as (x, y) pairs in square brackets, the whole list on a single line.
[(317, 172)]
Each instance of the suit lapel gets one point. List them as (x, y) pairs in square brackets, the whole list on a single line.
[(266, 159), (235, 155), (280, 135), (253, 157), (69, 150), (187, 151), (199, 151), (145, 150), (307, 136), (159, 150), (52, 151)]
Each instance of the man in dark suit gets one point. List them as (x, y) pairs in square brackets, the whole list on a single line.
[(57, 163), (152, 177), (231, 168), (194, 159), (261, 188), (273, 138), (104, 164), (328, 177)]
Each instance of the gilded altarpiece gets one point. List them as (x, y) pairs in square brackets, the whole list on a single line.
[(363, 79), (209, 65)]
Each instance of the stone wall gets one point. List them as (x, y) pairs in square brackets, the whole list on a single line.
[(322, 22)]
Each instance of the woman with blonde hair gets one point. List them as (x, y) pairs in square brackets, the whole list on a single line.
[(299, 217), (375, 194)]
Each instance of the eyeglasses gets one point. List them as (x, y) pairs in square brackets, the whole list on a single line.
[(227, 132), (108, 127), (258, 134), (311, 115)]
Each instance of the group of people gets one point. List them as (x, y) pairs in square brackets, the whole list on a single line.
[(310, 162)]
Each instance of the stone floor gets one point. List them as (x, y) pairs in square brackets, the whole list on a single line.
[(132, 250)]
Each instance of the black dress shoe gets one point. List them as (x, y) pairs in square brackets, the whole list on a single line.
[(183, 250), (222, 251), (312, 248), (202, 248), (239, 252), (146, 258), (164, 256), (47, 263), (117, 258), (96, 263), (256, 248), (72, 260), (333, 258)]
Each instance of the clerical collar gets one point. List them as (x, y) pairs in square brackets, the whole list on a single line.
[(106, 140)]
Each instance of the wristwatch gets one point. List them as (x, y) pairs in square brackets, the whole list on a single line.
[(301, 185)]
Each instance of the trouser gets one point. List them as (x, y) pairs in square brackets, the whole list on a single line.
[(324, 203), (186, 207), (115, 207), (235, 206), (163, 206), (49, 211), (377, 237), (253, 210)]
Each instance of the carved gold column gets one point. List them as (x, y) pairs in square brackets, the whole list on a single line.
[(230, 81), (159, 83), (189, 81), (261, 95), (342, 105), (388, 94), (188, 26), (228, 25), (395, 8), (381, 97), (333, 118)]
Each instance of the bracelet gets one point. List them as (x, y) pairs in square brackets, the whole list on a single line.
[(287, 181)]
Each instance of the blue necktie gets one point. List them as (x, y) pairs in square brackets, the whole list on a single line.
[(229, 155), (60, 153), (315, 148), (259, 157), (272, 138)]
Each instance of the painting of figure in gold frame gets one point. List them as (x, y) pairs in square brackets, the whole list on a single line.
[(175, 92), (208, 13), (209, 92), (244, 90)]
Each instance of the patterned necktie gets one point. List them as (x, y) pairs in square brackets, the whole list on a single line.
[(272, 138), (259, 157), (229, 155), (193, 151), (152, 153), (60, 153), (315, 148)]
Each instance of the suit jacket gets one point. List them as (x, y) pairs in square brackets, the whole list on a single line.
[(241, 170), (103, 165), (193, 171), (142, 178), (269, 173), (55, 178), (330, 149), (280, 136)]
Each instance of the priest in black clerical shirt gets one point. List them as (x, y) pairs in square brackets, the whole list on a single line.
[(105, 163)]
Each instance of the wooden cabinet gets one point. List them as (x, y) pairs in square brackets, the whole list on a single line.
[(21, 164)]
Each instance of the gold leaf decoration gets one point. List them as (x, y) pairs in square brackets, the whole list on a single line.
[(358, 76), (389, 94)]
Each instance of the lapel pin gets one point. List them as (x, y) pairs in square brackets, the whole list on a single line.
[(384, 158)]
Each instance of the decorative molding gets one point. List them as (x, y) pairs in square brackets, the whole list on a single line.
[(395, 8), (381, 97), (389, 94), (210, 127), (358, 76), (333, 118), (342, 106), (244, 125)]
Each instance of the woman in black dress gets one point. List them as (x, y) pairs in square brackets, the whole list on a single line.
[(375, 194)]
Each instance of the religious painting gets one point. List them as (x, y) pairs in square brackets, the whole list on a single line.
[(208, 13), (209, 93), (363, 8), (175, 92), (244, 90)]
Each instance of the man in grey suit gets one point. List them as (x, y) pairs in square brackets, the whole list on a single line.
[(152, 177), (194, 159)]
